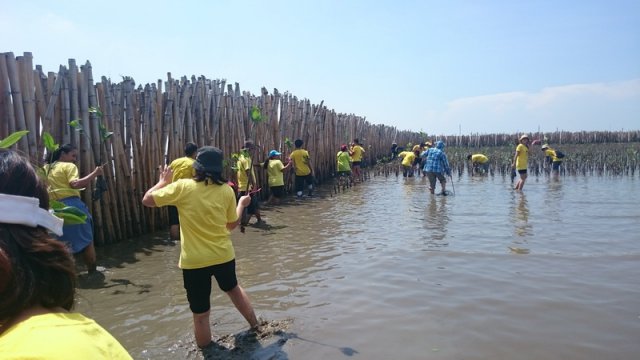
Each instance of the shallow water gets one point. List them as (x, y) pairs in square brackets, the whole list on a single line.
[(385, 270)]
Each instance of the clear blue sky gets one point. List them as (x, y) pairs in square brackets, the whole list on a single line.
[(442, 67)]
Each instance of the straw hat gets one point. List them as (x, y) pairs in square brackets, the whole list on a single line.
[(525, 136)]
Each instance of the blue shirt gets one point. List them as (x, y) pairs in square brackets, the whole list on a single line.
[(436, 161)]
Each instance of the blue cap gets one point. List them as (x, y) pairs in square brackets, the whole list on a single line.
[(274, 153)]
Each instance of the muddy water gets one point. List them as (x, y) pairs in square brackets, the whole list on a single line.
[(386, 271)]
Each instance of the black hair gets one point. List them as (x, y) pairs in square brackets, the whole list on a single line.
[(469, 157), (190, 148), (55, 156), (298, 143), (37, 269), (209, 177)]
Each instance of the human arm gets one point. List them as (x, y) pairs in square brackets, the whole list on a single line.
[(289, 163), (243, 202), (165, 179), (85, 181)]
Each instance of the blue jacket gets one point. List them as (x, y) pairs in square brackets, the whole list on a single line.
[(436, 159)]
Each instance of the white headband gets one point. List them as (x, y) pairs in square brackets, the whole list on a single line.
[(23, 210)]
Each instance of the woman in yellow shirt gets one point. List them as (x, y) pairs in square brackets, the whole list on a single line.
[(208, 210), (38, 279), (275, 173), (521, 160), (65, 185)]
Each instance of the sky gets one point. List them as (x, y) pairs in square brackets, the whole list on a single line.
[(441, 67)]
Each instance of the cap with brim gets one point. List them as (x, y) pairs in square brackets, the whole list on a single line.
[(545, 147), (209, 159), (274, 153), (524, 137)]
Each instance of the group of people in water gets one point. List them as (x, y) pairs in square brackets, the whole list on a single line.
[(37, 287), (432, 162)]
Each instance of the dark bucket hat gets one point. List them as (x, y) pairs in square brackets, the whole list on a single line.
[(209, 159)]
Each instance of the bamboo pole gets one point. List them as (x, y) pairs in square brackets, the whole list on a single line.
[(18, 105), (8, 113), (25, 66)]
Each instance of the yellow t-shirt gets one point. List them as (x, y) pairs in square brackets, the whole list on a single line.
[(182, 168), (274, 172), (59, 175), (244, 163), (300, 158), (408, 158), (479, 158), (204, 211), (343, 161), (60, 336), (522, 158), (552, 154), (357, 152)]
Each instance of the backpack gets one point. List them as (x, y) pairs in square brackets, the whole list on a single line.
[(559, 154)]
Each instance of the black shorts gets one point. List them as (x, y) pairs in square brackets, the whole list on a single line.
[(253, 205), (344, 173), (277, 191), (173, 215), (301, 180), (522, 172), (197, 282), (356, 163), (556, 165)]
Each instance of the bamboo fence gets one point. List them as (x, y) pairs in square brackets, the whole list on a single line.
[(152, 123)]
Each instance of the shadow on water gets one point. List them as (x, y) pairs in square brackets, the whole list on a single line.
[(117, 257)]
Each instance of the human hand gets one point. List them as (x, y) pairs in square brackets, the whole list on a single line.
[(166, 174), (98, 171)]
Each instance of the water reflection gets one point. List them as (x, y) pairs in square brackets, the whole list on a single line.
[(523, 229), (435, 221)]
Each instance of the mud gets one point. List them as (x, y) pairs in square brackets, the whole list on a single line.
[(265, 343)]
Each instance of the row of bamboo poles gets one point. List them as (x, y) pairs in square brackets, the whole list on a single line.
[(556, 137), (152, 123)]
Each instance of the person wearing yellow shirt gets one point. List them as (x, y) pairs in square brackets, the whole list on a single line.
[(408, 158), (303, 170), (479, 163), (247, 181), (357, 152), (275, 174), (344, 161), (208, 206), (553, 158), (521, 160), (38, 277), (182, 169), (64, 186)]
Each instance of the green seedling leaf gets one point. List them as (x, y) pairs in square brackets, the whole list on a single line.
[(12, 138), (70, 214), (75, 124), (104, 134), (49, 143), (70, 218), (96, 111), (256, 115)]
